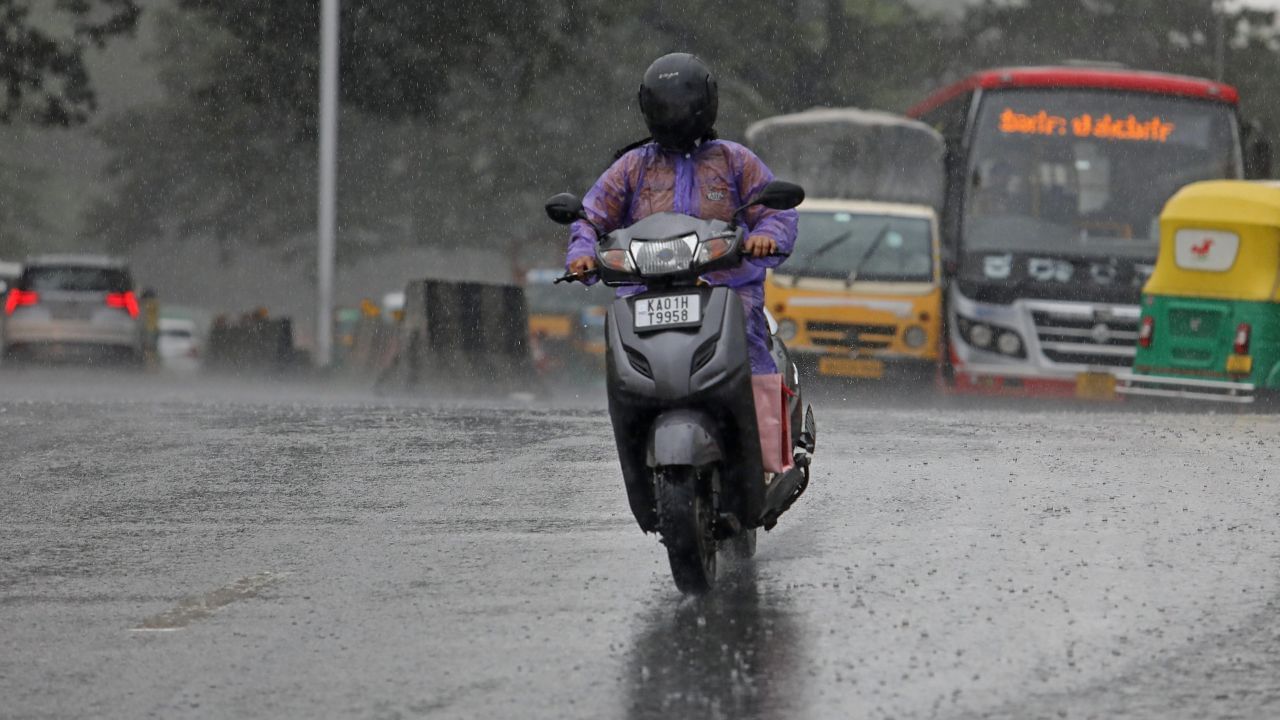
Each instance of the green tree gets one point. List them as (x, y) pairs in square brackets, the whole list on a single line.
[(42, 66), (456, 128), (20, 219)]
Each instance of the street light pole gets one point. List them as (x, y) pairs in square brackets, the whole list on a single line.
[(1220, 40), (326, 245)]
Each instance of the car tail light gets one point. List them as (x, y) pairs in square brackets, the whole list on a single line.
[(19, 298), (1147, 331), (1243, 331), (125, 301)]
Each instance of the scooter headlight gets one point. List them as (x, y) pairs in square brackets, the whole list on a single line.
[(662, 257), (617, 260)]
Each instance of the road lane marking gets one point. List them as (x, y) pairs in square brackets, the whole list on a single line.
[(200, 607)]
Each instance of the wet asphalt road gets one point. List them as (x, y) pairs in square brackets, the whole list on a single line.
[(267, 551)]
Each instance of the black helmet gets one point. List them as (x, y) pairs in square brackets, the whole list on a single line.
[(679, 99)]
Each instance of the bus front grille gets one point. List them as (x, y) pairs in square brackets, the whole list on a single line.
[(851, 335), (1077, 334)]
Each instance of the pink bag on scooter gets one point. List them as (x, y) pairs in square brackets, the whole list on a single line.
[(773, 421)]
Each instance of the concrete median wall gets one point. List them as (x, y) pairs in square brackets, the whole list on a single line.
[(253, 345), (373, 339), (462, 336)]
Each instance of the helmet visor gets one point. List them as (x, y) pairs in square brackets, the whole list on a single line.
[(673, 124)]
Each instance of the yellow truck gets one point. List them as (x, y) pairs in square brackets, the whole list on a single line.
[(861, 296), (862, 293)]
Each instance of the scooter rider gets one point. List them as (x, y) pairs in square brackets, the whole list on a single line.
[(683, 168)]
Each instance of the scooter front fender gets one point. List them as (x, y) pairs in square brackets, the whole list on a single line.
[(683, 437)]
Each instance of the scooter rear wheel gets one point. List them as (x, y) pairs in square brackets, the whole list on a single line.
[(686, 521)]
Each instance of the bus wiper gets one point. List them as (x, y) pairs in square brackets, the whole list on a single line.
[(823, 249), (866, 255)]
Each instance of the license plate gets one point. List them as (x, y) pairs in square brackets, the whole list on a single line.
[(851, 367), (668, 311), (1240, 364), (1096, 386), (68, 311)]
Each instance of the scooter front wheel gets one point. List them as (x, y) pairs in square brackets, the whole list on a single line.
[(686, 521)]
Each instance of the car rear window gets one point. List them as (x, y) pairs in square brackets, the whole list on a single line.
[(70, 278)]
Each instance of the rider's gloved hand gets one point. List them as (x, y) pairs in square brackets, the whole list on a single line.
[(761, 246), (582, 267)]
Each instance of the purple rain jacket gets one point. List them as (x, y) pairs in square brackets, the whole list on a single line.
[(708, 183)]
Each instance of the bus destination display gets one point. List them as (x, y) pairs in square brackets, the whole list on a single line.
[(1085, 125)]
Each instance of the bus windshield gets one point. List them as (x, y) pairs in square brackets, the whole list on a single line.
[(855, 246), (1086, 172)]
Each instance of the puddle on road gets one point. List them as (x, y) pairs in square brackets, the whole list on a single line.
[(200, 607)]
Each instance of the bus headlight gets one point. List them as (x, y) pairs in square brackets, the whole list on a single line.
[(1009, 343), (992, 338), (915, 337), (980, 335), (786, 330)]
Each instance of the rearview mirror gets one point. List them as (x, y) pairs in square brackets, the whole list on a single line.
[(1257, 152), (1258, 163), (779, 195), (565, 209)]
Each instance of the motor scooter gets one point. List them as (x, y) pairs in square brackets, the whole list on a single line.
[(680, 390)]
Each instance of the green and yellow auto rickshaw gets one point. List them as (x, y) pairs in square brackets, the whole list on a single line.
[(1210, 327)]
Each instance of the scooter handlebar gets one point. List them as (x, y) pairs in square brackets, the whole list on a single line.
[(572, 277)]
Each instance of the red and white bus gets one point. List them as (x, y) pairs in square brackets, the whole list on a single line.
[(1056, 179)]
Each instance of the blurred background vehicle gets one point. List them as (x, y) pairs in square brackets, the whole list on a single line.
[(1056, 177), (861, 296), (566, 325), (9, 272), (178, 346), (73, 308), (1210, 326)]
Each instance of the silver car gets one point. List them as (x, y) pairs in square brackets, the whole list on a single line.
[(72, 307)]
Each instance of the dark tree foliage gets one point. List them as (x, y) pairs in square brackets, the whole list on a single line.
[(20, 219), (456, 123), (398, 58), (460, 118), (43, 70)]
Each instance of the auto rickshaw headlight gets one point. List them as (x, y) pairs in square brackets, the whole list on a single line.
[(786, 330), (915, 337)]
